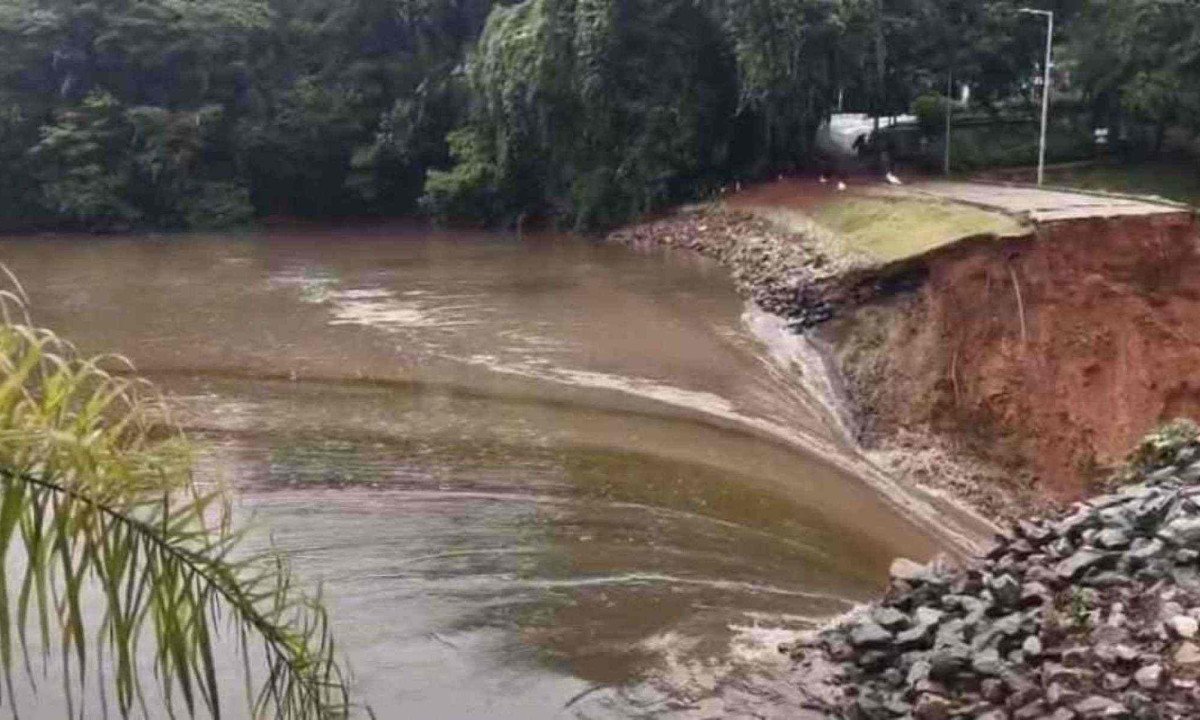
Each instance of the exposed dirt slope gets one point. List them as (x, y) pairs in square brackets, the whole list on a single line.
[(1055, 352)]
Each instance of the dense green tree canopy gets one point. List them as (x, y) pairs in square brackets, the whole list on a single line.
[(183, 113)]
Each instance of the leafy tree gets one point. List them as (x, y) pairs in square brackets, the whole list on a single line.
[(83, 170), (296, 104), (1140, 60), (597, 109)]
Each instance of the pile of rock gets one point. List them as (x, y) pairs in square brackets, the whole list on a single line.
[(777, 270), (1094, 613)]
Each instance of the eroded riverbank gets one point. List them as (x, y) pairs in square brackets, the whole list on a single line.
[(1014, 373), (801, 279), (1011, 372)]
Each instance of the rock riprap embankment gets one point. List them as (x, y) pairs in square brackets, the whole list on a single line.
[(774, 268), (1093, 613)]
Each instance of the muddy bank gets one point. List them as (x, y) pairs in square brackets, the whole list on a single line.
[(1011, 373), (1049, 355), (792, 275)]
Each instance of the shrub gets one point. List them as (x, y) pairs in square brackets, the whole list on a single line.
[(1163, 446), (215, 205), (931, 113)]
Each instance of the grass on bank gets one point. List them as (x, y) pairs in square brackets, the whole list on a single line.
[(872, 230), (1173, 181), (1170, 180), (890, 229)]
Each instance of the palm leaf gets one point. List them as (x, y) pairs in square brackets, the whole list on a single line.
[(116, 555)]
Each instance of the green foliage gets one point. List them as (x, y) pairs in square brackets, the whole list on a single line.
[(83, 171), (467, 189), (97, 506), (595, 110), (1136, 60), (584, 111), (1162, 447), (216, 205), (301, 106), (931, 112), (1003, 144)]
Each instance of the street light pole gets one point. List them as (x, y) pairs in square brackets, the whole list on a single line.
[(1049, 15), (949, 111)]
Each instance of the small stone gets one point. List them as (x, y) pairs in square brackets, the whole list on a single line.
[(1126, 653), (1078, 656), (1006, 590), (1184, 626), (1032, 647), (928, 616), (1035, 593), (1113, 539), (867, 708), (1115, 683), (1075, 566), (1022, 690), (992, 690), (947, 662), (868, 634), (1098, 706), (1059, 694), (918, 672), (1032, 711), (1034, 533), (1187, 654), (1191, 473), (889, 618), (1106, 579), (920, 636), (1149, 677), (908, 571), (897, 706), (1063, 714), (932, 707), (987, 662), (1150, 549), (1182, 531)]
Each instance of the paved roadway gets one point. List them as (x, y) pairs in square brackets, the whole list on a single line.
[(1039, 205)]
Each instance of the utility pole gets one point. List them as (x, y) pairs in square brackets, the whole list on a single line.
[(949, 112), (1049, 15)]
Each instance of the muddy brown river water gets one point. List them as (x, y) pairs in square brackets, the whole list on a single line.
[(539, 478)]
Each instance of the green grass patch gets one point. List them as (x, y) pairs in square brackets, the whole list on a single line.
[(873, 230), (893, 229), (1173, 181)]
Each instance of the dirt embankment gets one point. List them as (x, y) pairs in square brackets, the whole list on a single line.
[(1006, 372), (1051, 354)]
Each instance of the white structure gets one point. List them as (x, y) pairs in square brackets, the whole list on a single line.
[(845, 131)]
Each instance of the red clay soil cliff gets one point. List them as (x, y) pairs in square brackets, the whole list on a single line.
[(1054, 352)]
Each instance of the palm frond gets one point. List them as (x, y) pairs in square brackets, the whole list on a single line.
[(114, 553)]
